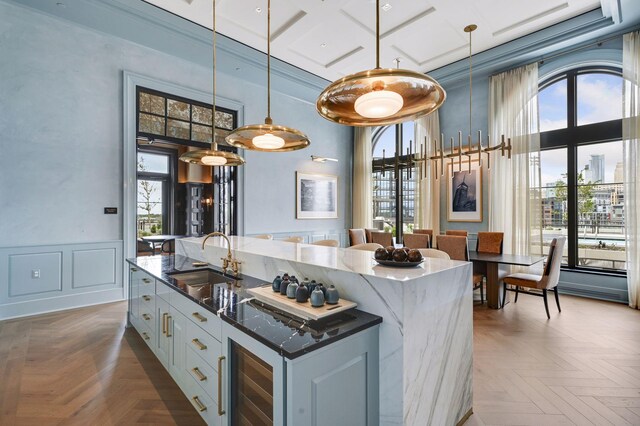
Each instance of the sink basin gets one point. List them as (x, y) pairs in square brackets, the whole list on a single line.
[(199, 284)]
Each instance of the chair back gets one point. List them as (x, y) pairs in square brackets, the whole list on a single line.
[(366, 247), (327, 243), (356, 236), (264, 236), (143, 248), (551, 274), (383, 238), (168, 246), (429, 252), (429, 232), (458, 232), (455, 246), (293, 240), (416, 241), (490, 242), (367, 233)]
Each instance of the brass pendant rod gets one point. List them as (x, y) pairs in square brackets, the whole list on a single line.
[(377, 34), (214, 144), (268, 119), (470, 84)]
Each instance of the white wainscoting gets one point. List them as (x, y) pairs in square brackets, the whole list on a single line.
[(309, 237), (39, 279)]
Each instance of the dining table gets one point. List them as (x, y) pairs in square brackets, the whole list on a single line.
[(494, 267)]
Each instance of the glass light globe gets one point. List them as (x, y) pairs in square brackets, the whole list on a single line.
[(213, 160), (378, 104), (268, 141)]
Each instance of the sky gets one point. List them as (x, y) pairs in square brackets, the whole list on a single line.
[(153, 163)]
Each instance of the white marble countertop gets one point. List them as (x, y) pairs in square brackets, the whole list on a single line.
[(356, 261)]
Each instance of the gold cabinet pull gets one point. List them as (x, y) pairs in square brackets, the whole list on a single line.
[(134, 270), (199, 344), (199, 317), (146, 317), (201, 407), (164, 323), (146, 280), (145, 336), (199, 374), (220, 410), (146, 298), (168, 326)]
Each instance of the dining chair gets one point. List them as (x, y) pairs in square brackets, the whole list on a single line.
[(144, 248), (385, 239), (429, 252), (456, 247), (488, 242), (357, 236), (168, 246), (415, 241), (458, 232), (367, 233), (264, 236), (327, 243), (428, 232), (293, 240), (547, 281), (366, 247)]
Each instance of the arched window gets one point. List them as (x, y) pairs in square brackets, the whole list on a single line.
[(581, 165)]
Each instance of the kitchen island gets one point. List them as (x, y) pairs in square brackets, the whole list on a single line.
[(426, 337)]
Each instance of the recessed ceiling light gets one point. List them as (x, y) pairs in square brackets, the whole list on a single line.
[(386, 7), (258, 9), (323, 45)]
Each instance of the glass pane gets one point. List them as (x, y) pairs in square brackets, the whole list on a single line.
[(601, 226), (201, 115), (553, 172), (600, 163), (177, 109), (155, 163), (151, 124), (149, 211), (384, 201), (552, 102), (224, 120), (178, 129), (386, 141), (201, 133), (599, 98), (151, 103)]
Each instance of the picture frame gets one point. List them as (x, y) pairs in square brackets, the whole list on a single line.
[(464, 192), (316, 196)]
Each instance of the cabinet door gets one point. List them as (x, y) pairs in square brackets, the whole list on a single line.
[(253, 391), (178, 326), (164, 332)]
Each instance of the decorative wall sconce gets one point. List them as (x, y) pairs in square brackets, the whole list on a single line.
[(318, 159), (207, 202)]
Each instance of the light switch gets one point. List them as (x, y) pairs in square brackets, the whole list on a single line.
[(35, 273)]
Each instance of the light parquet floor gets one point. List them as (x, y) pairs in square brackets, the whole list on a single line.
[(581, 367)]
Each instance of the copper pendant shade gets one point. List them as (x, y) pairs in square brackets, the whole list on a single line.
[(213, 156), (268, 137), (380, 96)]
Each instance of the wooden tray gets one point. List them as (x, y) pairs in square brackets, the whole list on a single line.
[(266, 295)]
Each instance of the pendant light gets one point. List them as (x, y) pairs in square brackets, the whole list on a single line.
[(380, 97), (268, 137), (213, 156)]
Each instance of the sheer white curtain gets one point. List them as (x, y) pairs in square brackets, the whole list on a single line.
[(631, 161), (362, 177), (427, 202), (514, 201)]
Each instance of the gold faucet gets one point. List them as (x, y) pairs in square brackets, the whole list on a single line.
[(225, 260)]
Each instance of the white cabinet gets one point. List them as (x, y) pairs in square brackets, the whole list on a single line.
[(165, 335), (178, 325)]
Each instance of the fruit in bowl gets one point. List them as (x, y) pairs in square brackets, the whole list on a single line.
[(390, 250), (399, 255), (381, 254), (414, 255)]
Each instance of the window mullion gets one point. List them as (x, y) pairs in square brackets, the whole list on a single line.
[(572, 172)]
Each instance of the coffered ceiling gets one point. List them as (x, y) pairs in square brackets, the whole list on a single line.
[(333, 38)]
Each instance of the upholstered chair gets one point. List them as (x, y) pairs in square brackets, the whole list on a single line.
[(429, 232), (490, 242), (327, 243), (383, 238), (264, 236), (356, 236), (458, 232), (168, 246), (545, 282), (366, 247), (416, 241), (367, 233), (293, 240), (429, 252), (456, 247)]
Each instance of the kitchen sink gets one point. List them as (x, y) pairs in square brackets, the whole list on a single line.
[(199, 284)]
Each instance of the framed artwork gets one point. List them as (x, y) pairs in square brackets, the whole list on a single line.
[(464, 192), (316, 196)]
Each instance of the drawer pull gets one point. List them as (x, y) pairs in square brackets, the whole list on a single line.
[(169, 326), (199, 344), (201, 407), (146, 280), (146, 317), (164, 323), (199, 317), (146, 298), (134, 270), (145, 336), (220, 410), (199, 374)]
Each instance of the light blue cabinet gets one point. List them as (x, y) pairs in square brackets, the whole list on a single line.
[(165, 335)]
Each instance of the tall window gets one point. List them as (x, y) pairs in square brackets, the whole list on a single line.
[(386, 197), (154, 186), (581, 166)]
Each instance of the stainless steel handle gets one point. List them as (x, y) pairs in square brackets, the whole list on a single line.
[(199, 344), (199, 317), (221, 412), (199, 374), (169, 326), (201, 407)]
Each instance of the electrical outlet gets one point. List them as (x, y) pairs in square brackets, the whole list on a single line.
[(35, 273)]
